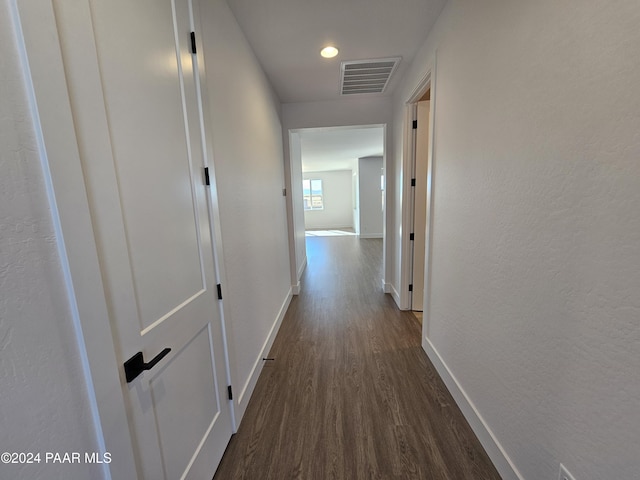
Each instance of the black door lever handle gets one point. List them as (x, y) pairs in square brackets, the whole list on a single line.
[(135, 365)]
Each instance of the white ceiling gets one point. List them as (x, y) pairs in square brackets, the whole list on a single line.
[(287, 35), (326, 149)]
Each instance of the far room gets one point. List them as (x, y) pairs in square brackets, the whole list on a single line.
[(343, 181)]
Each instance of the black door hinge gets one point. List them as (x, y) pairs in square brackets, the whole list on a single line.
[(415, 124), (411, 236), (206, 176), (230, 392), (219, 292), (193, 42), (413, 182), (411, 287)]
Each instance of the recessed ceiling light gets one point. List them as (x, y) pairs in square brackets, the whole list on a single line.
[(329, 52)]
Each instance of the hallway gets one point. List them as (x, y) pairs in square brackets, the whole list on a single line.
[(350, 394)]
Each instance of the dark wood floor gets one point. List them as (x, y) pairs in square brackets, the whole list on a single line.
[(351, 394)]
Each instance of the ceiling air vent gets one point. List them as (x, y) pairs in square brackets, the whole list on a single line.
[(367, 76)]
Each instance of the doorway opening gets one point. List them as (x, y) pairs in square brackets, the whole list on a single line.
[(337, 185), (420, 164), (417, 196)]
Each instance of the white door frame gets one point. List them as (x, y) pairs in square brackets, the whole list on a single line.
[(428, 81), (294, 204), (295, 215), (47, 87)]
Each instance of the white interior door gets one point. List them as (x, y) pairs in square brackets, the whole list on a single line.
[(136, 111), (420, 206)]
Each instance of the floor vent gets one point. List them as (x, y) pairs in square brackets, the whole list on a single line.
[(367, 76)]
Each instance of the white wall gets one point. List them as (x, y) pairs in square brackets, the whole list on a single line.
[(248, 157), (332, 113), (534, 304), (337, 198), (44, 405), (370, 195)]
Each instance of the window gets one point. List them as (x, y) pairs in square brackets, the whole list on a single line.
[(312, 194)]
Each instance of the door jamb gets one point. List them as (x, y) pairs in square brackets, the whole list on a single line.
[(408, 165), (428, 81)]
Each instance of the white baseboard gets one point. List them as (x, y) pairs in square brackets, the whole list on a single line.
[(396, 296), (490, 443), (386, 287), (295, 289), (250, 384), (370, 235)]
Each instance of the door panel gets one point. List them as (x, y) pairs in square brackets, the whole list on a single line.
[(136, 112), (175, 422), (152, 150)]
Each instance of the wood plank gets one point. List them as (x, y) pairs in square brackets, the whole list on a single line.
[(351, 394)]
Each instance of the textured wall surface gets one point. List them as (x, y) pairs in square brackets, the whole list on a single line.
[(247, 151), (536, 256), (43, 404)]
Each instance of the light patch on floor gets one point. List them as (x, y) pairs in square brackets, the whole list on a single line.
[(329, 233)]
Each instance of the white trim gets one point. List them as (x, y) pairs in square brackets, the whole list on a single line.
[(406, 254), (421, 87), (60, 246), (386, 287), (488, 440), (385, 242), (371, 235), (293, 226), (46, 84), (212, 203), (395, 295), (250, 384), (428, 81)]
